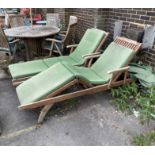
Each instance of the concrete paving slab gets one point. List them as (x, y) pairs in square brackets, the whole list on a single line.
[(89, 120)]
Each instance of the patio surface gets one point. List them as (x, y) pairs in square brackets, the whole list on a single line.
[(92, 120)]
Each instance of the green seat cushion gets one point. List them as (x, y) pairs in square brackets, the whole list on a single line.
[(114, 57), (85, 74), (88, 44), (51, 61), (44, 83), (58, 75), (25, 69)]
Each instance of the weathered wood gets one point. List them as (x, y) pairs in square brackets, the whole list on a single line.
[(3, 40), (17, 82), (46, 108), (52, 99), (134, 45), (31, 31), (44, 111), (32, 35), (16, 20), (102, 42), (64, 97), (67, 38)]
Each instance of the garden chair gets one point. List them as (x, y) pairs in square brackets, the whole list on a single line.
[(7, 46), (91, 42), (46, 88), (16, 21), (64, 38), (53, 19)]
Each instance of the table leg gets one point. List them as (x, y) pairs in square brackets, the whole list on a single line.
[(33, 48)]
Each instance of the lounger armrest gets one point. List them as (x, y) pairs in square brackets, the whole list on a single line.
[(53, 40), (89, 58), (63, 35), (116, 73), (72, 47), (14, 41), (119, 70), (63, 32), (91, 55)]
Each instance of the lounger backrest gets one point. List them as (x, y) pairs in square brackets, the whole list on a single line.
[(88, 44), (114, 57)]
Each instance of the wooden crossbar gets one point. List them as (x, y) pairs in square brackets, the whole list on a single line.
[(134, 45), (78, 93)]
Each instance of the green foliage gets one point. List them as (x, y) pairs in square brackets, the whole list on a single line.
[(124, 97), (132, 97), (144, 139), (146, 102), (135, 97)]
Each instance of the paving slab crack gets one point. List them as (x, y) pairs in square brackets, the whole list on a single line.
[(19, 132)]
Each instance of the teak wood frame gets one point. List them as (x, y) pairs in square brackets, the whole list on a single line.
[(56, 97), (18, 81)]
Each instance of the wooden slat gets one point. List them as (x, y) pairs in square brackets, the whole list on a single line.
[(102, 42), (60, 98), (134, 45)]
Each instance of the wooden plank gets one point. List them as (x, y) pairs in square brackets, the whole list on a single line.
[(60, 98)]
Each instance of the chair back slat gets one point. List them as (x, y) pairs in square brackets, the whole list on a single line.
[(53, 19), (134, 45), (117, 55), (70, 35), (3, 40), (16, 21)]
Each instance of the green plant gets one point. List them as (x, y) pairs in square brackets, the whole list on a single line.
[(134, 97), (124, 97), (146, 102), (144, 139)]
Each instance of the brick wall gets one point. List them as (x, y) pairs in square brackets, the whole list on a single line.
[(129, 16), (85, 20), (104, 18)]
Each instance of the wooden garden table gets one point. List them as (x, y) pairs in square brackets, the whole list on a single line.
[(32, 35)]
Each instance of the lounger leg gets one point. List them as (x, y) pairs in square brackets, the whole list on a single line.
[(43, 112)]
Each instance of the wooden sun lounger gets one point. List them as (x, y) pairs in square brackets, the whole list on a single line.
[(18, 81), (56, 96)]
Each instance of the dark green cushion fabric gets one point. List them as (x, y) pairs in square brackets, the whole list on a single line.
[(58, 75), (85, 74), (87, 45), (26, 69), (51, 61), (43, 83), (114, 57)]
